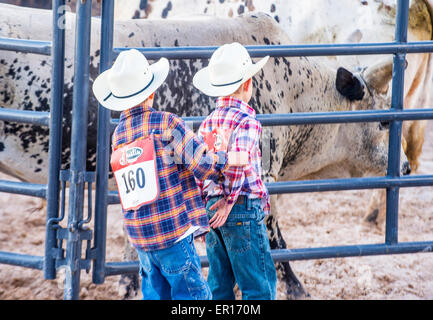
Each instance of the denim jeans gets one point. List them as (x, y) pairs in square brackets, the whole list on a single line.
[(239, 252), (173, 273)]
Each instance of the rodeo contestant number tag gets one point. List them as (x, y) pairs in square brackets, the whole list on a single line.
[(134, 167), (217, 140)]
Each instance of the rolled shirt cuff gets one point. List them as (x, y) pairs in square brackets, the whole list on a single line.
[(222, 164)]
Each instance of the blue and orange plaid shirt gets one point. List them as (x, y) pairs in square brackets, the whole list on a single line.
[(180, 157)]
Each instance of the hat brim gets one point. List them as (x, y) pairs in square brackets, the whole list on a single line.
[(202, 81), (108, 100)]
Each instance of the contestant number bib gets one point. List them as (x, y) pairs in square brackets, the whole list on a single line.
[(134, 167)]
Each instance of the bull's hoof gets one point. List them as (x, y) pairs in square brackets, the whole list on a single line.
[(294, 288), (297, 292), (128, 286), (372, 216), (374, 222)]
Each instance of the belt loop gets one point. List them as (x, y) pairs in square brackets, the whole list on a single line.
[(247, 203)]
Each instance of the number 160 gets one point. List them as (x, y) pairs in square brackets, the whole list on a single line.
[(131, 177)]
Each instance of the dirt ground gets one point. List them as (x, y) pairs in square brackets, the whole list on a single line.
[(312, 220)]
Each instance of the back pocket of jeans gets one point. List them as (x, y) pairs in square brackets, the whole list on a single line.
[(175, 259), (237, 235)]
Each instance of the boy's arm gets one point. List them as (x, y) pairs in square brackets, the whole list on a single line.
[(200, 183), (247, 136), (192, 152)]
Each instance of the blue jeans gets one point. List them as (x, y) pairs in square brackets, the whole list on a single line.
[(173, 273), (239, 252)]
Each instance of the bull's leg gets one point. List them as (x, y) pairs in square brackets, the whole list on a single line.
[(412, 143), (294, 288), (376, 212), (129, 283), (415, 141)]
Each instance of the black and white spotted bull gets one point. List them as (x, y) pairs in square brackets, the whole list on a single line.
[(285, 85)]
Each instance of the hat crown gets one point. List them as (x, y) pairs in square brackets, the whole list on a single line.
[(129, 74), (228, 64)]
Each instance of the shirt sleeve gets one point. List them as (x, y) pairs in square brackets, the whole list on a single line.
[(200, 183), (192, 152), (246, 137)]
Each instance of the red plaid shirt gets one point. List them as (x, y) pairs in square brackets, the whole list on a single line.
[(238, 117)]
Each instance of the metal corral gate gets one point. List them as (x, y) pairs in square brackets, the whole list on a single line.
[(71, 259)]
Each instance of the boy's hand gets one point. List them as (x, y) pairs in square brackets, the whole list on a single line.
[(238, 158), (223, 211)]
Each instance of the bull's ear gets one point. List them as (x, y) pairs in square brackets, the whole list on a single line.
[(348, 85)]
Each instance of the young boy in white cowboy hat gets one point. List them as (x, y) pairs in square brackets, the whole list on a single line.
[(237, 247), (155, 160)]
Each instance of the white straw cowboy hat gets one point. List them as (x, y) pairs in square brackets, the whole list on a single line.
[(229, 67), (130, 81)]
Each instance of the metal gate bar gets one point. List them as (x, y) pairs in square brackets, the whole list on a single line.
[(351, 251), (55, 143), (27, 46), (394, 145), (349, 184), (75, 234), (282, 255), (40, 119), (205, 52), (23, 188), (198, 52), (103, 150), (333, 185), (22, 260), (299, 118)]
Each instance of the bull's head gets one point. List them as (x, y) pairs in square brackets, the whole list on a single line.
[(370, 86), (369, 90)]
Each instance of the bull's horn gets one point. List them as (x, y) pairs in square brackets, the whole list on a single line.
[(379, 75)]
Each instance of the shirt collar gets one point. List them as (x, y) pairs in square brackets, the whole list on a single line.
[(223, 102), (140, 108)]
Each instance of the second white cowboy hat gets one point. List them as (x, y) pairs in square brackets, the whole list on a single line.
[(130, 81), (229, 67)]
